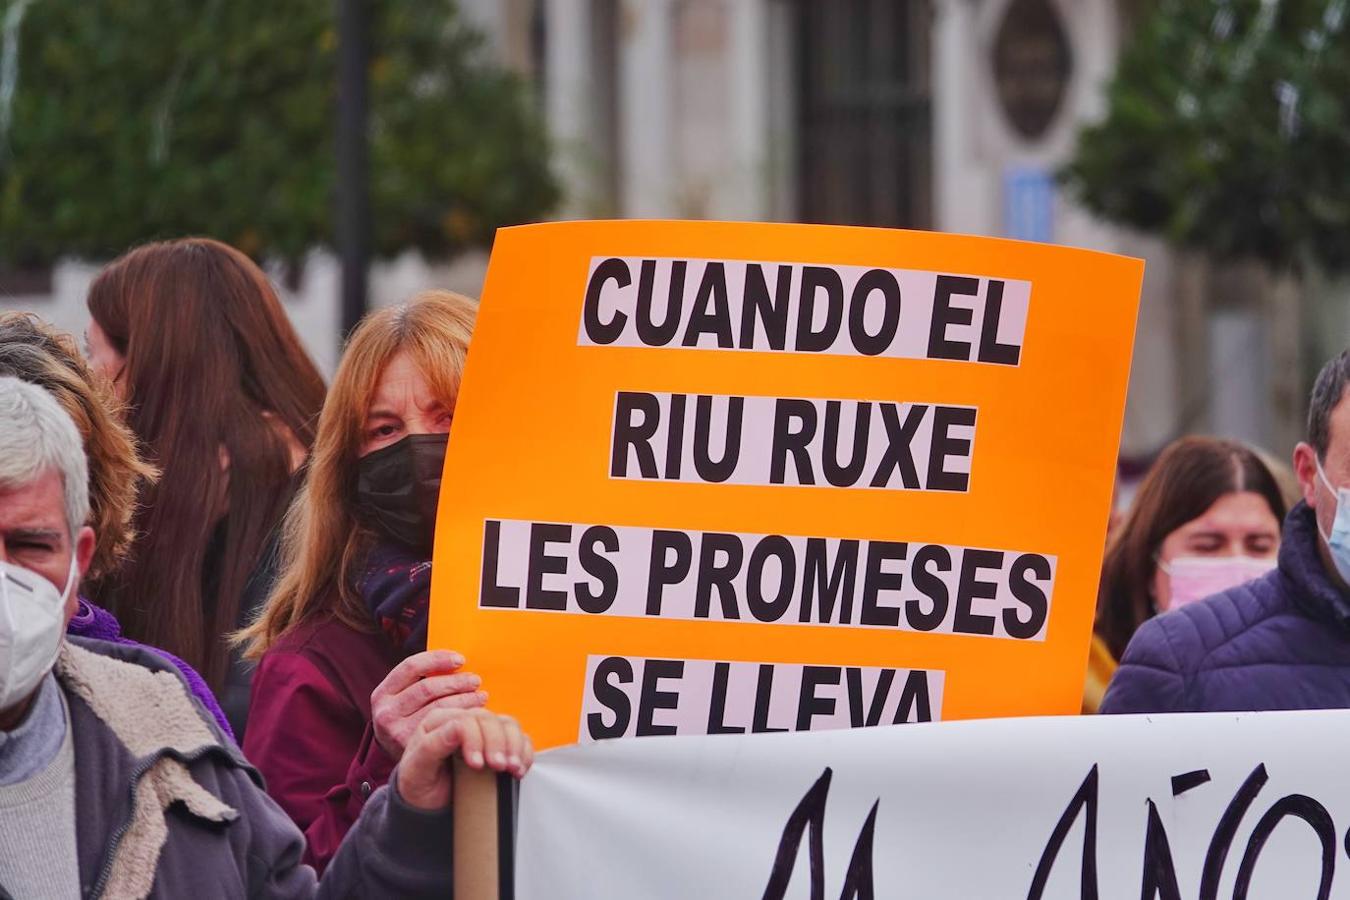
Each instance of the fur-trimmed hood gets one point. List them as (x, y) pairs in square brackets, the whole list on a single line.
[(144, 707)]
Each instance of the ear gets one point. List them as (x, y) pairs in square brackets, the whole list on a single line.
[(85, 542), (1305, 466)]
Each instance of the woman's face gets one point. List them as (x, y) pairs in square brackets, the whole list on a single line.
[(104, 358), (1237, 524), (403, 404)]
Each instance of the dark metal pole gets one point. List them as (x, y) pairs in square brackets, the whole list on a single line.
[(353, 182)]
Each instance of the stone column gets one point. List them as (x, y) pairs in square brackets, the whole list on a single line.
[(1192, 342), (1288, 390), (747, 65), (646, 106), (570, 92), (964, 193)]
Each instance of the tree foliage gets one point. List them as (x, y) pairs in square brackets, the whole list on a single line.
[(137, 119), (1227, 131)]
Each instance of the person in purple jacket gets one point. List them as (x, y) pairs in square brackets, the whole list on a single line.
[(33, 351), (1283, 640)]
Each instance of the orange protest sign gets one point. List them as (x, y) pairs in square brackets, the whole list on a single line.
[(713, 477)]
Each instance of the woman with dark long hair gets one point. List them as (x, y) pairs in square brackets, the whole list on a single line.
[(1206, 518), (223, 399)]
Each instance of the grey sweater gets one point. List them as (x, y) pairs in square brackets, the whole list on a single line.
[(37, 801)]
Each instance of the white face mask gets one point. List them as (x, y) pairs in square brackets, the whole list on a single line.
[(32, 619)]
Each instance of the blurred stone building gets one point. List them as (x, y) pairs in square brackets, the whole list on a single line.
[(940, 114)]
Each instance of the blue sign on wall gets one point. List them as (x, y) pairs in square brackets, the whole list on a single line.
[(1028, 204)]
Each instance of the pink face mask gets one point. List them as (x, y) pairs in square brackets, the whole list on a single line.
[(1197, 577)]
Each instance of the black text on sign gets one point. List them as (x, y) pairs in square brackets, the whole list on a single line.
[(790, 441), (794, 308), (634, 697), (770, 579)]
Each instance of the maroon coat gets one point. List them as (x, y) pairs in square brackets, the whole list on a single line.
[(309, 730)]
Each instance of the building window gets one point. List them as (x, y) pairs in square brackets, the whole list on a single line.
[(864, 113)]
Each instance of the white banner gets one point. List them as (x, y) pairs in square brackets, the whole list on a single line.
[(1184, 806)]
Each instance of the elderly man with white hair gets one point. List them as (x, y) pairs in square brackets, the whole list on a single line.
[(114, 782)]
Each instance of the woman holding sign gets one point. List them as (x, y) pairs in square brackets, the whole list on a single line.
[(1207, 517), (344, 676)]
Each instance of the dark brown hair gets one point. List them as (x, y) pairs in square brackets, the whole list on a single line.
[(215, 381), (1187, 478), (1326, 395), (35, 352)]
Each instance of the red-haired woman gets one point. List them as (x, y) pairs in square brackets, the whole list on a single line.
[(344, 675), (223, 399), (1206, 518)]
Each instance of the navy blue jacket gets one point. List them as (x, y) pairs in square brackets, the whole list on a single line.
[(1279, 642)]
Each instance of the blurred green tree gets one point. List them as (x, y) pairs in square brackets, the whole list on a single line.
[(128, 120), (1227, 131)]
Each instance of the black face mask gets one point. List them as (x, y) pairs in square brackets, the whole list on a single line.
[(398, 487)]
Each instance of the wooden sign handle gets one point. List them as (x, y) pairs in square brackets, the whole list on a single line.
[(483, 834)]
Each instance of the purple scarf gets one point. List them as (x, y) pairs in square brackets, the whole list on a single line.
[(397, 589), (95, 622)]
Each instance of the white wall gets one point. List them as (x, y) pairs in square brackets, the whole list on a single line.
[(314, 308), (694, 106)]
